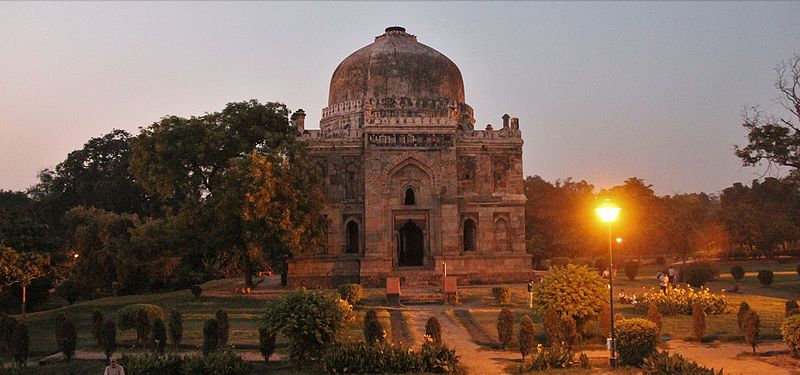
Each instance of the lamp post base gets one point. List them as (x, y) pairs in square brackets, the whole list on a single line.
[(612, 362)]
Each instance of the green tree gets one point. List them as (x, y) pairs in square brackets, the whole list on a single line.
[(21, 269), (93, 176), (763, 215), (242, 174), (775, 138), (559, 217)]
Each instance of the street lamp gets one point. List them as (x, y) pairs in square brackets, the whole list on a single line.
[(608, 214)]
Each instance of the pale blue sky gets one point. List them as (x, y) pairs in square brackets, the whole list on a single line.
[(604, 91)]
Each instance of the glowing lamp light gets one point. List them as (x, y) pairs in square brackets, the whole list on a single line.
[(608, 212), (619, 239)]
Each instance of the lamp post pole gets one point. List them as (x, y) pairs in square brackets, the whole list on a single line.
[(613, 359)]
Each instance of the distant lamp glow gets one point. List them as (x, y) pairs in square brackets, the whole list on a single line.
[(608, 212), (76, 255), (619, 239)]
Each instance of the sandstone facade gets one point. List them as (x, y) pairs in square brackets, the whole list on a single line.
[(410, 184)]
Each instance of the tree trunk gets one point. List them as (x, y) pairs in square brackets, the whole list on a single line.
[(248, 267)]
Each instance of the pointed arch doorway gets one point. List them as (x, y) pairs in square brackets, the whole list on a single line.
[(410, 245)]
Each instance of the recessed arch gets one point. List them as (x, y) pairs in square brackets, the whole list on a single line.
[(353, 238), (470, 235), (410, 197)]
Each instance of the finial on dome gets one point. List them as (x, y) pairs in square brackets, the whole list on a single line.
[(395, 31)]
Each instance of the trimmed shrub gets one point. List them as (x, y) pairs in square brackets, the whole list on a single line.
[(109, 338), (576, 291), (662, 363), (561, 329), (7, 325), (654, 316), (791, 308), (128, 315), (210, 336), (434, 330), (765, 277), (556, 357), (790, 330), (636, 340), (152, 364), (352, 293), (502, 295), (591, 329), (751, 327), (505, 327), (373, 330), (197, 290), (224, 326), (143, 326), (222, 362), (97, 326), (743, 309), (176, 327), (660, 260), (159, 336), (358, 358), (266, 342), (559, 262), (219, 362), (20, 349), (698, 322), (311, 319), (66, 337), (680, 299), (698, 274), (737, 272), (526, 336), (631, 269)]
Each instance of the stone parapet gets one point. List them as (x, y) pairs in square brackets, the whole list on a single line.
[(323, 271)]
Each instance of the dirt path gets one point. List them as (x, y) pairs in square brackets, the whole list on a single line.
[(477, 359), (724, 356)]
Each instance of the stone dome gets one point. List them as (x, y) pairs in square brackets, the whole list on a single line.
[(396, 66)]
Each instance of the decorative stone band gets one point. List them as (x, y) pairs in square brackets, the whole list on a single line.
[(401, 106), (410, 140)]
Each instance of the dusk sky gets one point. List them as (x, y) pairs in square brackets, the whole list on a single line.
[(603, 91)]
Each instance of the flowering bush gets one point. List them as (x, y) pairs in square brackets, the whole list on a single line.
[(548, 358), (575, 291), (358, 358), (679, 300)]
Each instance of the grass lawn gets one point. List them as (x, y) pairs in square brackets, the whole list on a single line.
[(245, 316), (82, 367)]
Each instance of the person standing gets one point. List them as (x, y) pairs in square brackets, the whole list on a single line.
[(663, 280), (113, 368), (672, 276), (530, 293)]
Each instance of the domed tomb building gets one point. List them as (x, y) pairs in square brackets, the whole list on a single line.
[(409, 183)]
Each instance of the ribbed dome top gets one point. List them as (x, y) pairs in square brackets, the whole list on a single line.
[(396, 65)]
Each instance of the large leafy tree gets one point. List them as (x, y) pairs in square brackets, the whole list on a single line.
[(641, 220), (763, 215), (94, 176), (559, 217), (241, 173), (21, 225), (21, 269), (776, 138)]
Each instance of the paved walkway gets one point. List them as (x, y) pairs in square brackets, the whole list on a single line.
[(725, 355)]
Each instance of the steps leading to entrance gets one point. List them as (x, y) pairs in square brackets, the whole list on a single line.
[(420, 296), (419, 278)]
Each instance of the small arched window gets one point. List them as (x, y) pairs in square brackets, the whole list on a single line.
[(410, 199), (469, 235), (353, 238)]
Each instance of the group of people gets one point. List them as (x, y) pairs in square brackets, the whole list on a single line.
[(665, 279)]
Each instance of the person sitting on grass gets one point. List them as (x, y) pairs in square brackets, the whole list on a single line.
[(113, 368), (623, 298)]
